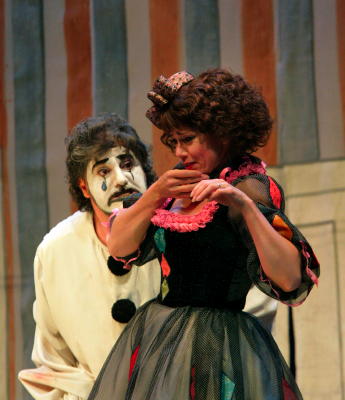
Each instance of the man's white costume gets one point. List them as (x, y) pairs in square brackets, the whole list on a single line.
[(75, 292)]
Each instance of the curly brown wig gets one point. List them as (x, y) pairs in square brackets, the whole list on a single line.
[(91, 138), (222, 106)]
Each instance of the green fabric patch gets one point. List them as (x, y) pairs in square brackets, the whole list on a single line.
[(160, 240), (164, 288), (228, 388)]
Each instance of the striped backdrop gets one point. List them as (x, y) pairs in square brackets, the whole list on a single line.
[(63, 60)]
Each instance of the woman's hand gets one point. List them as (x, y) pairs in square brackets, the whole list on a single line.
[(176, 183), (220, 191), (278, 256)]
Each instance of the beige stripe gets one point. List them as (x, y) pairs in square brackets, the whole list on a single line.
[(230, 35), (56, 110), (139, 66), (330, 122)]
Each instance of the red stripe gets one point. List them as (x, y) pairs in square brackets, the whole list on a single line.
[(259, 60), (133, 360), (79, 64), (341, 51), (78, 49), (6, 211), (165, 60)]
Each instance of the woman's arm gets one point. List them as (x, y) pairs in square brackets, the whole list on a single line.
[(130, 226), (279, 258)]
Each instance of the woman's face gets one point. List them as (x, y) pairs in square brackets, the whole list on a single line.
[(193, 150)]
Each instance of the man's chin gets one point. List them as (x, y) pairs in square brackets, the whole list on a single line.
[(115, 204)]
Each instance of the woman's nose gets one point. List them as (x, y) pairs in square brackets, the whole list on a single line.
[(180, 151)]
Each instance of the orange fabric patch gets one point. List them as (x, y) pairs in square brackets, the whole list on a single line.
[(165, 266), (281, 227)]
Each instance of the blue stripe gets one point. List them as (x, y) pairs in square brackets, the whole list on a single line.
[(297, 115), (31, 183), (110, 56), (201, 35)]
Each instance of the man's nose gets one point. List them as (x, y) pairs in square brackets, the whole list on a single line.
[(120, 177)]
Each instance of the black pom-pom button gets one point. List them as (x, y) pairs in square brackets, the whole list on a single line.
[(116, 267), (123, 310)]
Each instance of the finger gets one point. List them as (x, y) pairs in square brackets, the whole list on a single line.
[(223, 195), (182, 189), (205, 193), (213, 184), (184, 173), (185, 181), (198, 188)]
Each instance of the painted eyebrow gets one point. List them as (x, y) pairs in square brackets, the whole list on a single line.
[(185, 133), (103, 161), (124, 156)]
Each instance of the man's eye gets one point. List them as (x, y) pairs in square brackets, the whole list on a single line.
[(103, 171), (126, 164)]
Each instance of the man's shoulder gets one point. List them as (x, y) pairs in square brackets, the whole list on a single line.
[(76, 226)]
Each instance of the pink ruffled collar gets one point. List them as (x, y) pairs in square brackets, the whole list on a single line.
[(246, 168), (184, 223), (187, 223)]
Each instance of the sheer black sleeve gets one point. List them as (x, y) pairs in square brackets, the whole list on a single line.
[(269, 198)]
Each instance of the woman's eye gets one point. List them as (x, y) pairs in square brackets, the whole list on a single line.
[(188, 139), (172, 143)]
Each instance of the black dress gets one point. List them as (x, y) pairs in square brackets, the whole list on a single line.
[(193, 341)]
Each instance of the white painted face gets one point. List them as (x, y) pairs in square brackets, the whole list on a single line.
[(113, 176)]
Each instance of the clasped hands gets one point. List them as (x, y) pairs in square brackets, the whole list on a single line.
[(198, 187)]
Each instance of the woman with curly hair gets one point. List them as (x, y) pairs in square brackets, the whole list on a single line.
[(217, 225)]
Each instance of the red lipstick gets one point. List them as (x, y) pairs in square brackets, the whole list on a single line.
[(189, 165)]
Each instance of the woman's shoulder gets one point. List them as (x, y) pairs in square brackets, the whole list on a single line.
[(250, 176)]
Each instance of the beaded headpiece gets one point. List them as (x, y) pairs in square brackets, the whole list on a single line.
[(163, 91)]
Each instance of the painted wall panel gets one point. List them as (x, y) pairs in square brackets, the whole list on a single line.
[(77, 34), (297, 114), (139, 66), (259, 61), (341, 52), (230, 31), (31, 184), (110, 84), (165, 60), (55, 110), (201, 29), (329, 107)]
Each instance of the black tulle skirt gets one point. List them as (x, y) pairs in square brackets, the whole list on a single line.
[(194, 353)]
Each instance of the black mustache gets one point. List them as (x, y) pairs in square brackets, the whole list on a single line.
[(122, 192)]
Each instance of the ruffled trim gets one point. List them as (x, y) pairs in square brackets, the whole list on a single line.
[(187, 223), (248, 167), (127, 261), (184, 223)]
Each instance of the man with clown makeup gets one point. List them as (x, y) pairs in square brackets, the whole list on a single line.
[(83, 296)]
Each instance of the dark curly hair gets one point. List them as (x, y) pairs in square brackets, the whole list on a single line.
[(221, 105), (91, 138)]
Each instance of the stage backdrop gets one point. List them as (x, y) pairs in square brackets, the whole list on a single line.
[(63, 60)]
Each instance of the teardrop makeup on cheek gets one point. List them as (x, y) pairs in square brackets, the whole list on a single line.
[(104, 185)]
